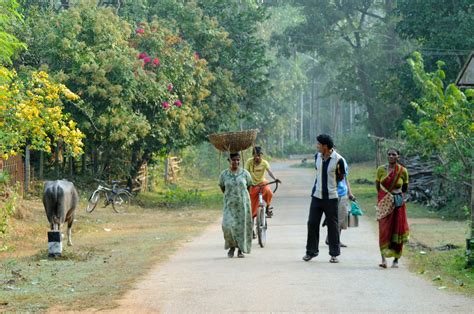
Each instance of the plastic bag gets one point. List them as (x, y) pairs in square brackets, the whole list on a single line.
[(356, 210)]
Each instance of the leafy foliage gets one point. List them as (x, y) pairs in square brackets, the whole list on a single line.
[(445, 125), (9, 199), (31, 112), (443, 29), (9, 44), (143, 88)]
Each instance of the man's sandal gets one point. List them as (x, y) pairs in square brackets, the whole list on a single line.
[(269, 212), (383, 265), (333, 259), (240, 254)]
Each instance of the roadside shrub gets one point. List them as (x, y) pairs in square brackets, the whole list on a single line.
[(298, 148), (9, 200), (356, 147), (202, 161)]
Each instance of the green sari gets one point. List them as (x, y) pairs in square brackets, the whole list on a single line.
[(237, 215)]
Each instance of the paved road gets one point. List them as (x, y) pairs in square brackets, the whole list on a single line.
[(200, 277)]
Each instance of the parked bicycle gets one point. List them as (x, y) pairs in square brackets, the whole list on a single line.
[(120, 198), (261, 215)]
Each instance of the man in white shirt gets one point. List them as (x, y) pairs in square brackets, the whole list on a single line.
[(330, 170)]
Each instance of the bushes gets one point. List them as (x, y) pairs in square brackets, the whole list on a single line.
[(356, 147), (9, 199), (298, 148), (202, 161)]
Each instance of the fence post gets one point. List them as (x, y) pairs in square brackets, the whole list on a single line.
[(166, 169)]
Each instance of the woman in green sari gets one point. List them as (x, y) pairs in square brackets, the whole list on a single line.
[(237, 216)]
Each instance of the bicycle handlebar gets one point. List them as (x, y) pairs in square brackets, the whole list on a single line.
[(114, 182), (276, 182)]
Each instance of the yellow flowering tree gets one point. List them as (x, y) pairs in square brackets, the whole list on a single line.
[(31, 113)]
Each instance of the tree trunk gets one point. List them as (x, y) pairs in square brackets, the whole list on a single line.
[(27, 168), (311, 114), (95, 160), (83, 164), (71, 167), (56, 162), (335, 115), (301, 116), (318, 114), (41, 166)]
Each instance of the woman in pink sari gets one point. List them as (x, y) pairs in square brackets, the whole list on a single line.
[(393, 225)]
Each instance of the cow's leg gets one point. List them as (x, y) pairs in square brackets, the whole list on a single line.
[(70, 220)]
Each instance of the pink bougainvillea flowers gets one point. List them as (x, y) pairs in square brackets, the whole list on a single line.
[(156, 62), (165, 105), (139, 31), (178, 103), (147, 59), (170, 87), (142, 55)]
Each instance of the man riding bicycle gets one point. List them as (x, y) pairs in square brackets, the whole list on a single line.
[(257, 167)]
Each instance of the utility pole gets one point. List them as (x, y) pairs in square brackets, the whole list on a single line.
[(301, 116)]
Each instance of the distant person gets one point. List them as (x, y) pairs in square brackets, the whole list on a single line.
[(344, 203), (330, 169), (237, 220), (393, 226), (257, 166)]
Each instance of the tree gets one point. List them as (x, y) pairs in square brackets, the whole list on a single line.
[(172, 93), (143, 88), (445, 127), (357, 39), (31, 107), (225, 34), (442, 28), (31, 113), (9, 44)]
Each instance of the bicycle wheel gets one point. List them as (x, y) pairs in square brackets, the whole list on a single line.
[(261, 226), (121, 201), (93, 200)]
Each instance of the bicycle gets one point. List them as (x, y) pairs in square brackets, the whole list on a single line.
[(261, 215), (119, 198)]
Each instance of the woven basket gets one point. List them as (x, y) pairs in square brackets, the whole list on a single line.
[(233, 141)]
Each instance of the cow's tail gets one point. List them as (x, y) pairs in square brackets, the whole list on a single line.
[(56, 210)]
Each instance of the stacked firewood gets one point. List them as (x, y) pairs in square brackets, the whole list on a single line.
[(425, 186)]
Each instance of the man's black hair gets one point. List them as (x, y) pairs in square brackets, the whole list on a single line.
[(257, 150), (325, 139)]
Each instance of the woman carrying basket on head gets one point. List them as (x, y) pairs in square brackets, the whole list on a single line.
[(392, 184), (237, 221)]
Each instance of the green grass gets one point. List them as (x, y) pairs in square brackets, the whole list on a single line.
[(202, 193)]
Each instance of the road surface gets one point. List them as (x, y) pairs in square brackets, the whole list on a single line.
[(201, 278)]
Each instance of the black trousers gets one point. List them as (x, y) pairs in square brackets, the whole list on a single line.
[(316, 210)]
